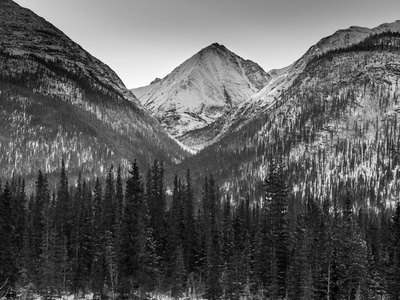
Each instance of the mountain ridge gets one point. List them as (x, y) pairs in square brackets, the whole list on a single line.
[(201, 89), (54, 94), (335, 126), (267, 96)]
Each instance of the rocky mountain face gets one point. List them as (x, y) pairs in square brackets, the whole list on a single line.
[(211, 83), (56, 100), (332, 118)]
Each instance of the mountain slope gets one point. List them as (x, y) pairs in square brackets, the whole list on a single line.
[(335, 125), (282, 81), (207, 85), (59, 101)]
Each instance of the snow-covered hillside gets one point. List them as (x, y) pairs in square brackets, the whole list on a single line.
[(283, 79), (212, 82), (57, 100), (333, 117)]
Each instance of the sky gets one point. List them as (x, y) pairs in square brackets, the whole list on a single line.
[(144, 39)]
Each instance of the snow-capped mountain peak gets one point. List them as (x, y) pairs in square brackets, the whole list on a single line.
[(204, 87)]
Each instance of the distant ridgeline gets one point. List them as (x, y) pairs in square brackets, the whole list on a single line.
[(90, 84), (129, 239), (385, 41)]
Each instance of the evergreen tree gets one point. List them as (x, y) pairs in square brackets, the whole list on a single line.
[(65, 216), (156, 199), (189, 234), (174, 230), (8, 267), (53, 258), (19, 209), (98, 263), (108, 231), (273, 240), (109, 206), (352, 253), (137, 257), (38, 223), (178, 277), (212, 239), (394, 255)]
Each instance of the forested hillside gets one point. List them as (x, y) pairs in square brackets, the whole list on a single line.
[(56, 100), (335, 127), (128, 239)]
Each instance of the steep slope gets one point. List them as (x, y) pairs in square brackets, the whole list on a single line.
[(283, 79), (335, 126), (59, 101), (207, 85)]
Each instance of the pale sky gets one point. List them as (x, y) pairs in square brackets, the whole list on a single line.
[(144, 39)]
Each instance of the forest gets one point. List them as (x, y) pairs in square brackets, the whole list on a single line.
[(139, 239)]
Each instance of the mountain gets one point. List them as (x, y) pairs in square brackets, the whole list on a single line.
[(212, 82), (57, 100), (332, 117), (283, 79)]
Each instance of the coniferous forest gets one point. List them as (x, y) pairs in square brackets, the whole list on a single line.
[(294, 196), (136, 239)]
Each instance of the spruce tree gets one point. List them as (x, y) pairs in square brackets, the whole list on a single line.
[(137, 257), (212, 239), (394, 255), (189, 234), (8, 267), (352, 253), (276, 229), (156, 200), (98, 263)]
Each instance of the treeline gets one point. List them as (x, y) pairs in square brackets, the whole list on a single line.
[(385, 41), (136, 240)]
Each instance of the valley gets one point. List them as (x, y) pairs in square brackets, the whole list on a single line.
[(218, 181)]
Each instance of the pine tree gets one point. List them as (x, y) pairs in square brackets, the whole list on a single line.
[(39, 205), (394, 255), (108, 230), (137, 259), (174, 230), (64, 213), (274, 239), (352, 253), (8, 268), (212, 239), (178, 277), (87, 236), (189, 234), (156, 199), (109, 206), (19, 209), (98, 263), (53, 258)]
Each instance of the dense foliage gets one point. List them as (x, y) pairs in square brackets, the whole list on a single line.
[(134, 239)]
